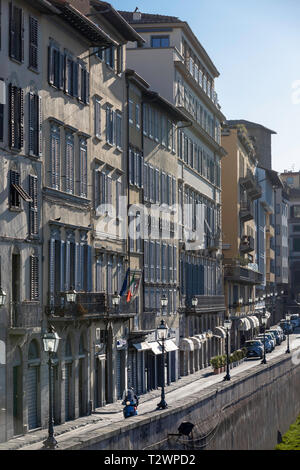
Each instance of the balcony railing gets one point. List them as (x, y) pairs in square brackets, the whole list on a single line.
[(246, 210), (247, 244), (206, 303), (25, 315), (252, 187), (242, 274)]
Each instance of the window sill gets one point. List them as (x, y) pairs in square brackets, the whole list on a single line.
[(17, 61), (33, 69), (15, 209)]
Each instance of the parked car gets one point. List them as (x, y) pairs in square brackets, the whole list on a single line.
[(254, 348), (280, 332), (271, 338), (268, 343), (295, 320), (287, 327), (276, 334)]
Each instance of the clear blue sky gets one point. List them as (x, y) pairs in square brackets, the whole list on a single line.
[(255, 45)]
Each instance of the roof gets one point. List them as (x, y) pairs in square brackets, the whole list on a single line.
[(147, 18), (249, 124), (93, 33), (116, 20), (273, 176)]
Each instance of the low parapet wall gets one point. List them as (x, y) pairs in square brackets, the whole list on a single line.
[(245, 413)]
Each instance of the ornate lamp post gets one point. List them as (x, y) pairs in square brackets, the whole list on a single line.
[(227, 326), (116, 301), (264, 321), (71, 296), (50, 342), (2, 297), (162, 332), (288, 318)]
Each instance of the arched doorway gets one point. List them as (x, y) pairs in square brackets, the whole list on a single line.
[(69, 402), (32, 388), (17, 393)]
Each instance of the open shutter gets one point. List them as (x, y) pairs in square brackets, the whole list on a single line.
[(146, 183), (33, 43), (61, 268), (60, 70), (21, 117), (87, 87), (21, 34), (34, 278), (146, 260), (31, 122), (12, 104)]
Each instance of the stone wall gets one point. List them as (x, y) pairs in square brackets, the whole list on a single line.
[(245, 413)]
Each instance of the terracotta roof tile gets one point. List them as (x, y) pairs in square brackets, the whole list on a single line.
[(149, 18)]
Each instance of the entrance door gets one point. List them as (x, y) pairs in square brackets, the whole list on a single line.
[(32, 397), (68, 391), (17, 400)]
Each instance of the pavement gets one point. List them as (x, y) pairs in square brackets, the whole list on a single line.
[(112, 413)]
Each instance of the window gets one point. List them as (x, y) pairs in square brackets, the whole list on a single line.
[(16, 191), (69, 163), (33, 43), (35, 125), (34, 278), (71, 75), (137, 116), (296, 228), (55, 66), (110, 115), (136, 165), (296, 244), (99, 53), (118, 130), (83, 83), (16, 117), (33, 205), (97, 110), (160, 41), (16, 33), (110, 56), (130, 111), (54, 157), (295, 212), (83, 167)]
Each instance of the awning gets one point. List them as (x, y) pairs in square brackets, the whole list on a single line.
[(186, 344), (142, 346), (170, 345), (244, 324), (201, 336), (253, 321), (155, 346), (220, 332), (196, 341)]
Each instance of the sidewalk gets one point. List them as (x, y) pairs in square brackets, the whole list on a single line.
[(110, 415), (104, 416)]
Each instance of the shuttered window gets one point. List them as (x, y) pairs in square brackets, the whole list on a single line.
[(70, 75), (97, 110), (16, 117), (83, 83), (16, 33), (109, 125), (69, 164), (83, 167), (15, 200), (35, 124), (55, 67), (33, 42), (55, 157), (33, 206), (34, 278), (118, 130)]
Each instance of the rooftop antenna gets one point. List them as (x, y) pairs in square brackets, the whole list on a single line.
[(137, 15)]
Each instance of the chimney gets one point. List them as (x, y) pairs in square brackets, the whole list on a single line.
[(137, 15)]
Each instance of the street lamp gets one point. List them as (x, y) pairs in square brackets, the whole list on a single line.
[(162, 332), (50, 342), (227, 326), (2, 297), (288, 318), (163, 303), (264, 321), (71, 296), (116, 300)]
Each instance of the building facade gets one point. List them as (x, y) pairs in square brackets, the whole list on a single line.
[(188, 83), (240, 190)]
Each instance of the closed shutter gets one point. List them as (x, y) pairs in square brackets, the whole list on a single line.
[(33, 43), (32, 397), (152, 260), (34, 278), (33, 206), (77, 267), (69, 164), (173, 190), (51, 265), (140, 372), (174, 264), (68, 381), (61, 267), (87, 87), (97, 119), (157, 243), (157, 195), (83, 168), (146, 182), (109, 190), (88, 268), (67, 266), (118, 375), (163, 262), (146, 260)]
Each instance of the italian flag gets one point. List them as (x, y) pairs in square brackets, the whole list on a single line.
[(130, 290)]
